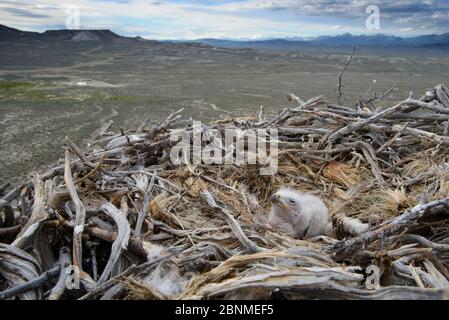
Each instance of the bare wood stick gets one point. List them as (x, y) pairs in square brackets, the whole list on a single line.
[(442, 96), (135, 246), (340, 77), (230, 188), (381, 97), (298, 100), (441, 140), (30, 285), (246, 242), (80, 216), (362, 123), (108, 284), (74, 148), (92, 172), (144, 208), (159, 128), (346, 247), (42, 191), (121, 243), (64, 262), (392, 140), (429, 106)]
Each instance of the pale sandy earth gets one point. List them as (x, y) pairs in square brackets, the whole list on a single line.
[(48, 92)]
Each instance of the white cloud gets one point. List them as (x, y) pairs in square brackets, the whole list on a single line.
[(172, 20), (403, 20)]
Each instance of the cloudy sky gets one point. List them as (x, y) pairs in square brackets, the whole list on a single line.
[(249, 19)]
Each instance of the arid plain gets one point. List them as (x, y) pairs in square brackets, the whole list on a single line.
[(52, 90)]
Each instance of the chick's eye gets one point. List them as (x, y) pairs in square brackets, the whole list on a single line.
[(292, 201)]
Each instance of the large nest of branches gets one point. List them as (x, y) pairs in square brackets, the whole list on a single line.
[(127, 223)]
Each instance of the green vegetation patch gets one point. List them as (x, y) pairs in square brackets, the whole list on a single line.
[(16, 85)]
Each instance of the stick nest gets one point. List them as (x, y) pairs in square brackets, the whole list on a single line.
[(131, 225)]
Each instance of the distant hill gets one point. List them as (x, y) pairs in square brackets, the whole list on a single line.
[(343, 40), (348, 39), (81, 35), (432, 41), (280, 44), (11, 33), (104, 36)]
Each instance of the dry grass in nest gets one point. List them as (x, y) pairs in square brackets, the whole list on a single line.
[(381, 203), (343, 174)]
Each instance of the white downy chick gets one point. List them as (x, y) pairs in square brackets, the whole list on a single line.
[(300, 214)]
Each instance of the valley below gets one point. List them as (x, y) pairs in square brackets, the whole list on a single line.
[(50, 90)]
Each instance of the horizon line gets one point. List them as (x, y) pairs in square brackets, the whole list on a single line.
[(287, 38)]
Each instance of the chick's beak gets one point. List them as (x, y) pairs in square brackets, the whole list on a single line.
[(277, 201)]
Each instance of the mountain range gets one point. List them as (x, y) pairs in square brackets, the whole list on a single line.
[(433, 41), (344, 40)]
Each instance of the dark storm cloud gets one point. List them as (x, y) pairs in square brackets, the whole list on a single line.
[(433, 13), (348, 7)]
